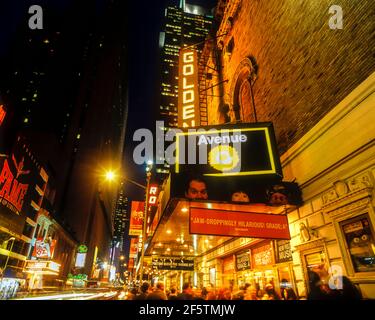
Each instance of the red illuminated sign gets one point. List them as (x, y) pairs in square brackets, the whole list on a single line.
[(44, 248), (2, 114), (131, 264), (238, 224), (11, 189), (188, 97), (136, 218), (133, 248), (153, 195)]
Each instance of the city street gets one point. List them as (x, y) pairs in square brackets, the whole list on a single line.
[(201, 150)]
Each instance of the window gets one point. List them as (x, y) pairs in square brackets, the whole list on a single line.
[(230, 46), (359, 239)]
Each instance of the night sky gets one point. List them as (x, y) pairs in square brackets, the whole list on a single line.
[(144, 19), (144, 86)]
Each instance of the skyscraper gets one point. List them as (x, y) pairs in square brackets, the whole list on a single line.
[(65, 89), (121, 216), (183, 26)]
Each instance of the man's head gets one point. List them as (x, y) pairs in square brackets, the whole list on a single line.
[(196, 189), (186, 287), (145, 286), (160, 286), (173, 290)]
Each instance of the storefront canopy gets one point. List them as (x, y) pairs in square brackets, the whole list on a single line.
[(191, 228)]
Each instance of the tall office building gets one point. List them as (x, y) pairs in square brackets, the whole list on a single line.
[(121, 216), (65, 89), (184, 25)]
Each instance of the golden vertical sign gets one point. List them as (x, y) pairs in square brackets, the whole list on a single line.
[(188, 93)]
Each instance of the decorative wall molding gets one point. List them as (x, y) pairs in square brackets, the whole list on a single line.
[(312, 244)]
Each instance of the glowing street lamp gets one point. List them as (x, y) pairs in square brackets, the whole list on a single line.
[(110, 175)]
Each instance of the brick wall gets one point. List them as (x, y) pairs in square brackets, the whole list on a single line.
[(305, 68)]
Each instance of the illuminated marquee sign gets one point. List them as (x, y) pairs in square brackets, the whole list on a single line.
[(44, 248), (48, 267), (153, 195), (174, 263), (19, 173), (229, 150), (11, 188), (133, 247), (2, 114), (80, 260), (136, 218), (188, 96), (238, 224)]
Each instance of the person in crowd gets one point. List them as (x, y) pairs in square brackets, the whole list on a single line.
[(240, 196), (196, 189), (316, 292), (349, 290), (158, 293), (143, 291), (173, 294), (224, 294), (271, 292), (260, 294), (251, 294), (132, 294), (187, 292), (266, 297), (286, 291), (204, 293)]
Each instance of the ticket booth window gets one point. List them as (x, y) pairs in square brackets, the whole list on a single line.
[(359, 240)]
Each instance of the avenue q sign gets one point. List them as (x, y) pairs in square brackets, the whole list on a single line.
[(243, 150)]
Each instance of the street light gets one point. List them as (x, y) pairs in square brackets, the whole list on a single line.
[(110, 176)]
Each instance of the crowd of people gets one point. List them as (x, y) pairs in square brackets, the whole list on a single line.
[(318, 290)]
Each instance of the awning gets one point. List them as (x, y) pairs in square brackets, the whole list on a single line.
[(42, 267), (172, 235)]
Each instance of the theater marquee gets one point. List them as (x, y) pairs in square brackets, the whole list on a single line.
[(238, 224), (188, 94), (229, 150)]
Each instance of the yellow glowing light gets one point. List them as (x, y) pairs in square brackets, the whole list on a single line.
[(110, 175), (223, 158)]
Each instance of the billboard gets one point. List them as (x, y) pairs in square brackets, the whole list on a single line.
[(133, 252), (236, 150), (20, 180), (238, 224), (44, 249), (236, 162), (2, 114), (237, 190), (188, 93), (136, 218)]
